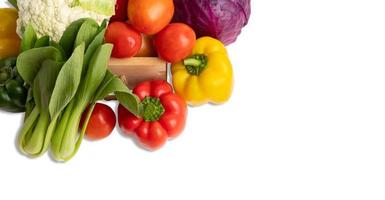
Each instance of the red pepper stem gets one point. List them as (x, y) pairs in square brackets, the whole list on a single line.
[(195, 64), (152, 109)]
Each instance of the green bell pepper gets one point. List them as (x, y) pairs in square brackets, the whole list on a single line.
[(13, 93)]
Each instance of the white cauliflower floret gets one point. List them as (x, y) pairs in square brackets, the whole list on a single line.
[(51, 17)]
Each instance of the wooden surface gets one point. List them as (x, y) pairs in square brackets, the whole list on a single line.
[(137, 69)]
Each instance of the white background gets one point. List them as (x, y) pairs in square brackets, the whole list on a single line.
[(306, 121)]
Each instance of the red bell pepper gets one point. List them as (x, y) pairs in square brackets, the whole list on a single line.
[(164, 114)]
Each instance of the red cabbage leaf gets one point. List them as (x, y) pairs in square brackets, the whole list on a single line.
[(221, 19)]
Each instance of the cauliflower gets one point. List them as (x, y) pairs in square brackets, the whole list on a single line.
[(51, 17)]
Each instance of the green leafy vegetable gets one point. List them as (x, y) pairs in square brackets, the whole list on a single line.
[(42, 86), (95, 73), (103, 25), (64, 143), (29, 62), (61, 88), (42, 42), (59, 48), (30, 104), (87, 32), (67, 82), (44, 83), (98, 40), (67, 40), (29, 39), (112, 84)]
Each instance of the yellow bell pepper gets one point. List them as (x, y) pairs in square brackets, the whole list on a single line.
[(206, 76), (9, 40)]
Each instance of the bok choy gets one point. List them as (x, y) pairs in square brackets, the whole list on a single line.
[(65, 79)]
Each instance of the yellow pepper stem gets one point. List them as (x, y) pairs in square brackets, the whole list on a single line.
[(195, 64)]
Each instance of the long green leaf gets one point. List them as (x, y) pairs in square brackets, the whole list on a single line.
[(103, 89), (29, 104), (67, 82), (29, 62), (42, 42), (95, 44), (29, 38), (95, 73), (103, 25), (58, 47), (65, 141), (68, 38), (35, 142), (112, 84), (87, 32), (44, 83), (129, 101)]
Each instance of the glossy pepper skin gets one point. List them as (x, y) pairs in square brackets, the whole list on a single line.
[(9, 40), (164, 114), (13, 94), (206, 76)]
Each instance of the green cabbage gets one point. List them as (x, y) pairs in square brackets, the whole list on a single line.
[(104, 7)]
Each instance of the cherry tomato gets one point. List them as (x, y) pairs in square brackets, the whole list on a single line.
[(150, 16), (127, 41), (120, 11), (101, 123), (175, 42)]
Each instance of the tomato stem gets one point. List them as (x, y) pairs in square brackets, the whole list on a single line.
[(152, 109), (195, 64)]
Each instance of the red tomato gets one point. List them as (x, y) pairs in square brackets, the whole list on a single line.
[(150, 16), (120, 11), (175, 42), (101, 123), (127, 41)]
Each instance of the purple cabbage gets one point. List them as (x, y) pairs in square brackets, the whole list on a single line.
[(221, 19)]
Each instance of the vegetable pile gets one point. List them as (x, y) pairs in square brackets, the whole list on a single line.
[(58, 74)]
